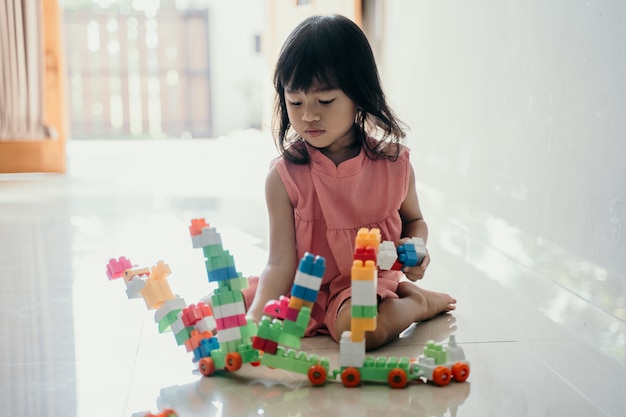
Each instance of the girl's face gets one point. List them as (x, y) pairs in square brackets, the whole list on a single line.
[(323, 116)]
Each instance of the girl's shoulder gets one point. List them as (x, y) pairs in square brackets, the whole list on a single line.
[(385, 148)]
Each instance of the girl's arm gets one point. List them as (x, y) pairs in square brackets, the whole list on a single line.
[(413, 225), (278, 275)]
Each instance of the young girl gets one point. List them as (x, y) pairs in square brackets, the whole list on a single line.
[(334, 178)]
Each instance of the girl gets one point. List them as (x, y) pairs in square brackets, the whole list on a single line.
[(334, 177)]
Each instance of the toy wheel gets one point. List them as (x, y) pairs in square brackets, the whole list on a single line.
[(206, 366), (460, 371), (397, 378), (233, 361), (350, 377), (317, 375), (441, 376), (255, 363)]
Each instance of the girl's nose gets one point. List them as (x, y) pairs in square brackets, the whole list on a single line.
[(309, 115)]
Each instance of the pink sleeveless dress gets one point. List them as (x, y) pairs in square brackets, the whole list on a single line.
[(331, 203)]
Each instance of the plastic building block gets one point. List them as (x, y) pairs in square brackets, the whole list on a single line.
[(136, 271), (410, 253), (116, 267), (312, 265), (277, 308), (134, 287), (367, 238), (351, 353), (387, 255), (167, 314), (314, 367), (196, 226)]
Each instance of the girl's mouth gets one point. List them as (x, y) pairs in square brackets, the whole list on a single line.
[(314, 132)]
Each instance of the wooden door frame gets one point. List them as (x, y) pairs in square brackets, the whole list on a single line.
[(44, 155)]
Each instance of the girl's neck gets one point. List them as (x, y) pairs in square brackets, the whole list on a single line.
[(343, 149)]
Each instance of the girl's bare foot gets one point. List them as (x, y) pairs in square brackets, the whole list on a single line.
[(434, 303)]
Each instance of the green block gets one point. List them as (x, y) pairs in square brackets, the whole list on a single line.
[(248, 331), (437, 352), (238, 284), (166, 322), (377, 369), (269, 329), (221, 297), (289, 340), (183, 335), (290, 360), (219, 262), (219, 358), (213, 251), (292, 328), (364, 312), (304, 317), (248, 353)]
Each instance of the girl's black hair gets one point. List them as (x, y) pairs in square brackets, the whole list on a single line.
[(333, 51)]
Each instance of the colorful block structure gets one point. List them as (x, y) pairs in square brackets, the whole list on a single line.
[(220, 336), (437, 364), (410, 253)]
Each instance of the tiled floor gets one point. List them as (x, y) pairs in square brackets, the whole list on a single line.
[(73, 345)]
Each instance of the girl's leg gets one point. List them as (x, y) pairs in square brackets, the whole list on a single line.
[(396, 314)]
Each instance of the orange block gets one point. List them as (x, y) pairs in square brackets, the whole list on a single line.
[(194, 340), (359, 326), (363, 271), (196, 226), (298, 303), (368, 238)]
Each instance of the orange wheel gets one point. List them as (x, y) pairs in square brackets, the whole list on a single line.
[(317, 375), (460, 371), (233, 361), (206, 366), (255, 363), (397, 378), (350, 377), (441, 376)]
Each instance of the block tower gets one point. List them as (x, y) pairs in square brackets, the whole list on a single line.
[(285, 321), (234, 332)]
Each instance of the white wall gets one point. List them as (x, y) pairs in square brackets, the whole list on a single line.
[(519, 109)]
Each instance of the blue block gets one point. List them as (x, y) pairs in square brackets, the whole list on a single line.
[(304, 293), (205, 348), (407, 255), (312, 265), (222, 274)]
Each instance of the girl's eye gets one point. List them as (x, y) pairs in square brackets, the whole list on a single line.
[(326, 101), (294, 103)]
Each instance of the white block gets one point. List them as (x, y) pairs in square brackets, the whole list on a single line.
[(134, 287), (206, 324), (208, 236), (351, 353), (364, 293), (230, 334), (387, 255), (169, 306)]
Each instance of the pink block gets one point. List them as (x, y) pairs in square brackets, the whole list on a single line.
[(116, 268)]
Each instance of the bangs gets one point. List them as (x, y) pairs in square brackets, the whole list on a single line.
[(309, 61)]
